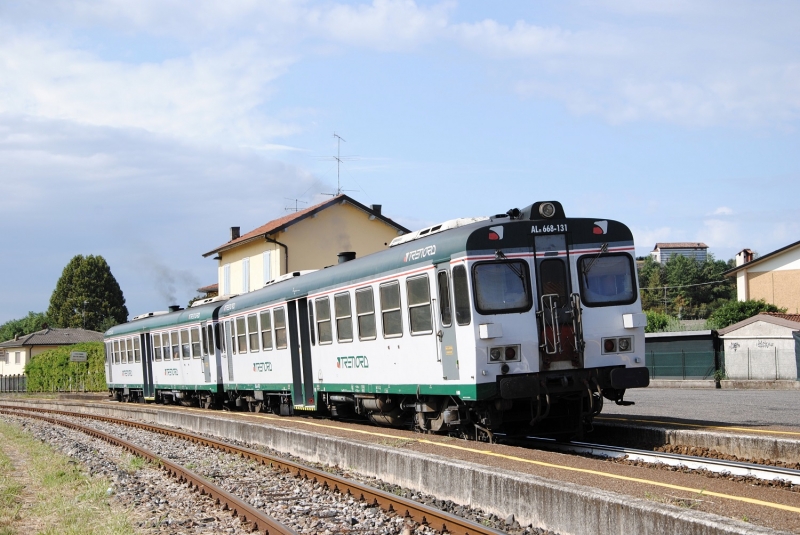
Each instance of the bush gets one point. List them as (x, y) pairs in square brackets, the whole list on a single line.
[(736, 311), (657, 321), (52, 370)]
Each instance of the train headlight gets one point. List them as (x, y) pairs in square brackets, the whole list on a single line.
[(546, 209), (609, 345), (495, 353), (511, 353), (624, 344)]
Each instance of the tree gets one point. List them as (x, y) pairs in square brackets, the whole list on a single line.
[(87, 296), (736, 311), (34, 321)]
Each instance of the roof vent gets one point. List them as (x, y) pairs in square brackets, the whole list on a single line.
[(346, 256), (234, 233), (175, 308)]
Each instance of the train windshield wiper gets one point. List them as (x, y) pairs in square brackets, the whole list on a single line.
[(603, 250), (499, 255)]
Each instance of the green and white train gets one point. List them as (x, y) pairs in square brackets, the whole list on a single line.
[(521, 322)]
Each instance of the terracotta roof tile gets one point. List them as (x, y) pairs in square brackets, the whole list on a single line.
[(790, 317), (277, 224)]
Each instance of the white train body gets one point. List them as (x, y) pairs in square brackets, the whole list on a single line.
[(505, 324)]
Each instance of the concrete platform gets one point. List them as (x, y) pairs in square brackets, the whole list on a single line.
[(562, 507)]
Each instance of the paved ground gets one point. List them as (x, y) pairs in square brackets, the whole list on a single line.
[(735, 407)]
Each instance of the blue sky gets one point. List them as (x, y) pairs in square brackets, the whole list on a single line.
[(141, 131)]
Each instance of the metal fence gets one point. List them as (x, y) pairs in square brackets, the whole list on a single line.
[(13, 383), (681, 364)]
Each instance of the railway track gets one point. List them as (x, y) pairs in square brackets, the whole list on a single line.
[(422, 514), (736, 468)]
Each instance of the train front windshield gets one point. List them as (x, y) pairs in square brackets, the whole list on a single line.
[(502, 287), (607, 280)]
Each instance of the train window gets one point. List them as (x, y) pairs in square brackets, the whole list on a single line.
[(156, 347), (185, 344), (241, 335), (213, 334), (252, 332), (195, 339), (419, 305), (444, 299), (501, 287), (553, 277), (344, 320), (116, 352), (123, 347), (266, 330), (137, 351), (323, 305), (461, 300), (607, 280), (391, 315), (129, 347), (365, 310), (280, 328), (176, 347)]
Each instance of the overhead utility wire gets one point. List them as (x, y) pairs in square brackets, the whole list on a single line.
[(683, 285)]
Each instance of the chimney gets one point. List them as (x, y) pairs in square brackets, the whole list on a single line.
[(16, 337), (234, 233), (346, 256), (744, 256), (376, 209)]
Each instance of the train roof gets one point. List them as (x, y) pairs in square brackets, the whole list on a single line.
[(163, 321), (478, 234)]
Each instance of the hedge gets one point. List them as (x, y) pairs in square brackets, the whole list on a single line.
[(52, 370)]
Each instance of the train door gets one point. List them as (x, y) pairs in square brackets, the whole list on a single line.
[(109, 357), (557, 311), (229, 346), (300, 350), (146, 343), (446, 333), (206, 331)]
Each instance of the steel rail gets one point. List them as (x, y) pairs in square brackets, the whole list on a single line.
[(418, 512), (246, 512), (737, 468)]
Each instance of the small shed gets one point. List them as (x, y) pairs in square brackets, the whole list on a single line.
[(763, 347), (682, 355)]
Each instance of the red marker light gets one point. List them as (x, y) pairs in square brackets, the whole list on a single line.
[(493, 236), (597, 230)]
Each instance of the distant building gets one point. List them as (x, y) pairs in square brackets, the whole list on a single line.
[(663, 252), (308, 239), (774, 277), (18, 352)]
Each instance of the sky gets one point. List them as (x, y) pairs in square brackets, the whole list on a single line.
[(141, 131)]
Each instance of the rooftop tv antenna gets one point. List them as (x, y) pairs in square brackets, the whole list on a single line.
[(296, 208), (339, 161)]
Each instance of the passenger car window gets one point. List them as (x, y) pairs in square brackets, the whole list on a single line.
[(344, 321), (323, 307), (419, 305), (365, 310), (391, 315), (461, 295)]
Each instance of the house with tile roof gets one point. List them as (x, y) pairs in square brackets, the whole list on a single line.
[(774, 277), (304, 240), (763, 347), (16, 353), (663, 252)]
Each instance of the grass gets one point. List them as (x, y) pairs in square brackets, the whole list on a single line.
[(57, 497)]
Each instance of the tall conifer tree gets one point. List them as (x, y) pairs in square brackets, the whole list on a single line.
[(87, 296)]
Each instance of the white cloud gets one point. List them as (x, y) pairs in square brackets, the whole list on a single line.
[(723, 210)]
